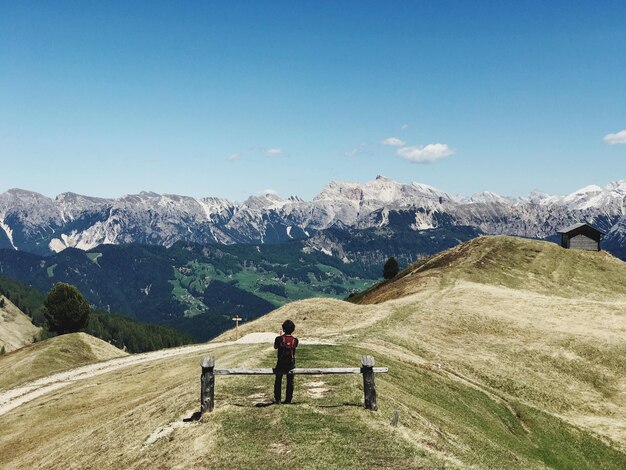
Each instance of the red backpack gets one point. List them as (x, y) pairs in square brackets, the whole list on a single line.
[(288, 349)]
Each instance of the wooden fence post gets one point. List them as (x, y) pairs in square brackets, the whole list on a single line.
[(207, 385), (369, 385)]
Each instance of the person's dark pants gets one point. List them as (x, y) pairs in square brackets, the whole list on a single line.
[(278, 383)]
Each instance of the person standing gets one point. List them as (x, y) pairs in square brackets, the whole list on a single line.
[(286, 345)]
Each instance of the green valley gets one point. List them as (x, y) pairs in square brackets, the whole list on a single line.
[(190, 287)]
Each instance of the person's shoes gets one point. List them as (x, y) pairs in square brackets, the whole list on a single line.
[(276, 402), (286, 402)]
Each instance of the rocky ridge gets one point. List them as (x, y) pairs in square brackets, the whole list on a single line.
[(32, 222)]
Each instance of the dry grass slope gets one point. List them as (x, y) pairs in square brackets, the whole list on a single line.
[(492, 365), (16, 329), (512, 262), (53, 355), (528, 319)]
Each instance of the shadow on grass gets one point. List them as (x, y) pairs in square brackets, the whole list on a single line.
[(313, 405), (194, 417), (262, 404), (265, 404), (339, 405)]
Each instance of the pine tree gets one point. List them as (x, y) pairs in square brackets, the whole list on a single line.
[(67, 311), (391, 268)]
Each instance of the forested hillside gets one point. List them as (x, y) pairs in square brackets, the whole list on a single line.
[(195, 288), (123, 332)]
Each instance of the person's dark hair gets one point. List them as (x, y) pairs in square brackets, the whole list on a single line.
[(289, 327)]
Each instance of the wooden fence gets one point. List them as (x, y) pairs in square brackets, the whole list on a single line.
[(207, 379)]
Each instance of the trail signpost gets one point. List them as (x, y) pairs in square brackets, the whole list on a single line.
[(237, 319)]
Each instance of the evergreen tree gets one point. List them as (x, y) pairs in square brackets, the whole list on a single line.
[(67, 311), (391, 268)]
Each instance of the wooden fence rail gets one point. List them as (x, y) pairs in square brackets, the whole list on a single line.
[(207, 379)]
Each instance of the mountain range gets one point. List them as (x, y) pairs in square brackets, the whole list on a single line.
[(193, 263), (35, 223)]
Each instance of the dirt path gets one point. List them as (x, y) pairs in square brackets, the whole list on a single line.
[(15, 397)]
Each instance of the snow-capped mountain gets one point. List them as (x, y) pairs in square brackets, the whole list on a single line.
[(35, 223)]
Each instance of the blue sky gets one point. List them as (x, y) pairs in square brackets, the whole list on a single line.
[(231, 98)]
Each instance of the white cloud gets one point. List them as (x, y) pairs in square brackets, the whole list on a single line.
[(358, 150), (393, 141), (428, 154), (233, 157), (274, 152), (404, 126), (273, 192), (617, 138)]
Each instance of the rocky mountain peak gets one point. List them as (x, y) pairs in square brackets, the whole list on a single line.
[(32, 222)]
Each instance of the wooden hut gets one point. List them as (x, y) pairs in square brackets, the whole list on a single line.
[(581, 237)]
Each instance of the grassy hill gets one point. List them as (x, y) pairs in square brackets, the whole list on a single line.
[(53, 355), (516, 263), (16, 328), (503, 353)]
